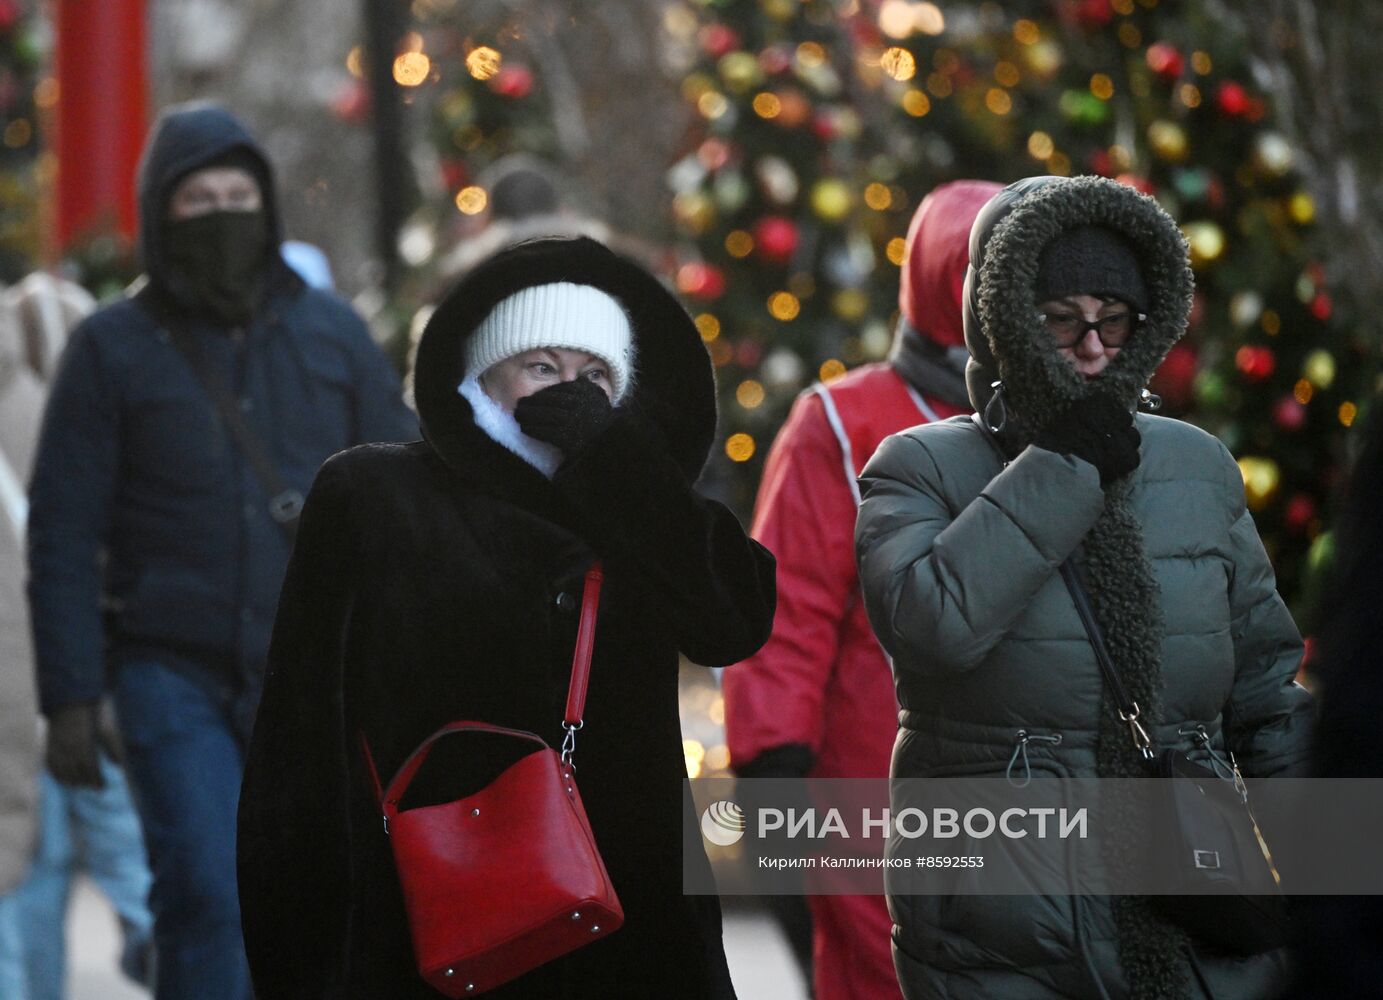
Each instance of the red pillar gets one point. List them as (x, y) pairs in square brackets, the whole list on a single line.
[(101, 115)]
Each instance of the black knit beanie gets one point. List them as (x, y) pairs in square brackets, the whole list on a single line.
[(1090, 260)]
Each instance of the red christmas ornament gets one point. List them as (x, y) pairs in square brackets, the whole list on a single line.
[(1255, 362), (1232, 99), (702, 281), (1175, 378), (793, 108), (1288, 414), (1137, 182), (352, 103), (748, 354), (514, 81), (1165, 60), (1300, 512), (1094, 13), (718, 39), (775, 59), (713, 153), (1101, 162), (1321, 306), (454, 174), (1215, 193), (9, 14), (864, 32), (775, 238), (824, 126)]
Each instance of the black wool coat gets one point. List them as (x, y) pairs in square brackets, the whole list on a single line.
[(440, 580)]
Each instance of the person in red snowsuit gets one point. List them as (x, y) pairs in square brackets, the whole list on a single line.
[(817, 700)]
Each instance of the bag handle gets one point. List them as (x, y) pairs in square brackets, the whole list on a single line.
[(572, 719), (393, 795), (1127, 708)]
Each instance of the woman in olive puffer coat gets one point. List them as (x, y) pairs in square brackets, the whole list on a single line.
[(960, 536)]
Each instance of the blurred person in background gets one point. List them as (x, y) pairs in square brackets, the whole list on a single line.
[(21, 403), (80, 830), (523, 201), (1339, 936), (817, 701), (185, 424)]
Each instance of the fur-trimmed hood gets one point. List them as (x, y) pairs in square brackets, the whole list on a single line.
[(673, 384), (1003, 329)]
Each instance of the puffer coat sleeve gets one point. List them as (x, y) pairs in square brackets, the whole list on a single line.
[(942, 585), (1268, 719), (295, 932)]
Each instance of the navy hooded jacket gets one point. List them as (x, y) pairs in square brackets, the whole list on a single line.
[(149, 531)]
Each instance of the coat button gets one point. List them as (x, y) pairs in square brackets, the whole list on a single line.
[(567, 602)]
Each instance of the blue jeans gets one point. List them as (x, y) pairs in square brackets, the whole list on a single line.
[(90, 830), (185, 761), (14, 984)]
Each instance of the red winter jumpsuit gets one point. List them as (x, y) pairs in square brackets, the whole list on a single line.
[(821, 686)]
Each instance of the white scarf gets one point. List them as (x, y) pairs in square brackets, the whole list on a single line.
[(503, 429)]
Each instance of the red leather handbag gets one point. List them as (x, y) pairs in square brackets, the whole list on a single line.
[(501, 881)]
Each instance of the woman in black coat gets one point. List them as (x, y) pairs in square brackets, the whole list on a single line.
[(440, 580)]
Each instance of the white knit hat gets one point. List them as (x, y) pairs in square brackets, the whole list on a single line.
[(561, 314)]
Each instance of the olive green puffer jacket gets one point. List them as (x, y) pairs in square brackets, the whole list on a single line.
[(960, 536)]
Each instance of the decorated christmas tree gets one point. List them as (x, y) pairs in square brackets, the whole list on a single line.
[(25, 93), (822, 124)]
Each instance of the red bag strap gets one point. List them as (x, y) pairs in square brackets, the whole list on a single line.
[(388, 799), (585, 644)]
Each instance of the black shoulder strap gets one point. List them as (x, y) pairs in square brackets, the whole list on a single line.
[(1128, 709), (285, 503)]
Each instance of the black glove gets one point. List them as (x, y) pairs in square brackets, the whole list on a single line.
[(1098, 429), (568, 415), (72, 756)]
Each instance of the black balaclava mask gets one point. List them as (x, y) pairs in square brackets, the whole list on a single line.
[(220, 259)]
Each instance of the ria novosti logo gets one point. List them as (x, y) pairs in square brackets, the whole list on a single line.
[(723, 823)]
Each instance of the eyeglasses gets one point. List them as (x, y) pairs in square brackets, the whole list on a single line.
[(1069, 329)]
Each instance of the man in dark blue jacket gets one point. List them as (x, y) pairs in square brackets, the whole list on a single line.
[(185, 424)]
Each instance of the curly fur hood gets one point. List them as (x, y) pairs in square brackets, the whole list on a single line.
[(1003, 329)]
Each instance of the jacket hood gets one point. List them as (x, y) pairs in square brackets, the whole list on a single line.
[(673, 382), (1003, 330), (935, 259), (186, 137), (929, 348)]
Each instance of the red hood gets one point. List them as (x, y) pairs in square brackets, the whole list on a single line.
[(936, 257)]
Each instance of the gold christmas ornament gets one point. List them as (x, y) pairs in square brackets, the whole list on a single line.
[(1044, 58), (1168, 140), (831, 199), (1262, 477), (740, 71), (1207, 241), (1319, 368)]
